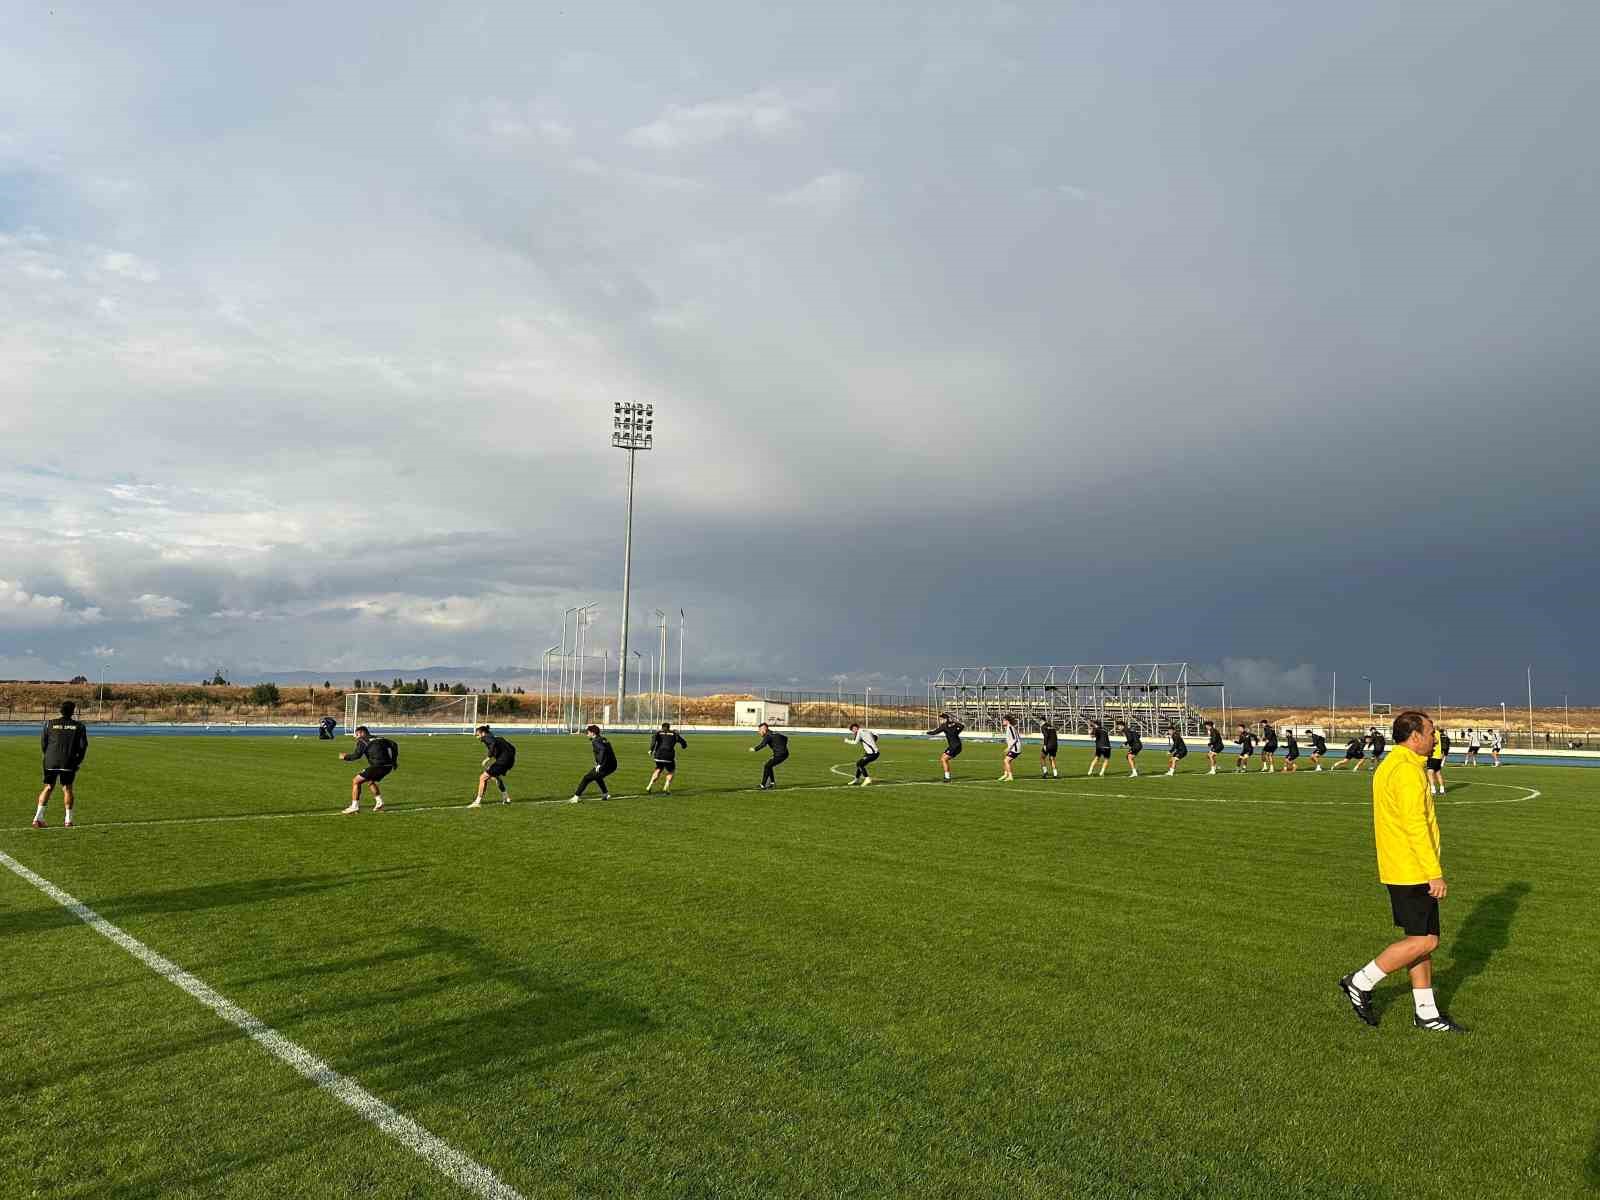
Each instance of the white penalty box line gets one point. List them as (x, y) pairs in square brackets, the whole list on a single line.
[(473, 1176)]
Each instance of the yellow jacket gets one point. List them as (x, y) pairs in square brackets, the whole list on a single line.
[(1403, 821)]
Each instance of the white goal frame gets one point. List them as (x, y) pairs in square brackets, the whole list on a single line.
[(448, 712)]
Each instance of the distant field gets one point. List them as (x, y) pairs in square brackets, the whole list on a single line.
[(1098, 988)]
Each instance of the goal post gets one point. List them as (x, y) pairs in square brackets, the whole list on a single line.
[(436, 712)]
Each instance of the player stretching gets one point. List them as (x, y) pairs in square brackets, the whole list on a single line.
[(1247, 747), (1319, 747), (868, 741), (1135, 745), (1177, 751), (1102, 749), (605, 764), (1269, 746), (65, 744), (1376, 741), (1213, 745), (951, 728), (779, 744), (1354, 752), (499, 757), (1291, 751), (1013, 748), (382, 756), (1047, 752), (1496, 744), (664, 744)]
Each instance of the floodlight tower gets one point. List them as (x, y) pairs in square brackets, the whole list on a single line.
[(632, 429)]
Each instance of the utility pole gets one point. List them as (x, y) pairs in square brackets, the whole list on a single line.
[(632, 429)]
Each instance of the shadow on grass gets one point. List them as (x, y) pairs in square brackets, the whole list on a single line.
[(1485, 932), (192, 899)]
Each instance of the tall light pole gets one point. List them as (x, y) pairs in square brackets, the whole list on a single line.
[(1368, 678), (661, 666), (638, 672), (632, 429), (682, 621)]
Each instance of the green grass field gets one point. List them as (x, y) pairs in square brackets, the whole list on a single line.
[(1097, 988)]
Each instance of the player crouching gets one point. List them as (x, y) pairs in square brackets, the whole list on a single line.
[(382, 756), (499, 757)]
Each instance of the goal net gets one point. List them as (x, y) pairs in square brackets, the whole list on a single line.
[(436, 711)]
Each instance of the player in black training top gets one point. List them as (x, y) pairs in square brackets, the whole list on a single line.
[(951, 728), (1291, 750), (1376, 742), (1135, 745), (499, 756), (64, 742), (325, 728), (1247, 747), (1319, 747), (605, 763), (1047, 751), (1102, 748), (1177, 750), (1353, 752), (382, 756), (779, 744), (1269, 746), (1213, 745), (664, 744)]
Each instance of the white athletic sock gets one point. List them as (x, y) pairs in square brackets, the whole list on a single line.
[(947, 774), (1133, 772), (39, 816), (1054, 774), (1423, 999), (1370, 976), (69, 817)]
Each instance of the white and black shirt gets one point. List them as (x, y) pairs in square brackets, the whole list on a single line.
[(866, 739)]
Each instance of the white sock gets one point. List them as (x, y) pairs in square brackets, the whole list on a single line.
[(947, 774), (1054, 774), (1423, 999), (1133, 772), (1370, 976), (39, 816), (69, 816)]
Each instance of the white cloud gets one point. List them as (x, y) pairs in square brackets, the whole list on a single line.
[(762, 115), (22, 609), (103, 652), (827, 195), (130, 266), (159, 608)]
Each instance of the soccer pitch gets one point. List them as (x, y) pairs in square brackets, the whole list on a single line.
[(1110, 987)]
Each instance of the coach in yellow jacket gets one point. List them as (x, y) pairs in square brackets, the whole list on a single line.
[(1406, 830)]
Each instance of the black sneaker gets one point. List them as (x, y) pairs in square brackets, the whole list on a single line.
[(1440, 1024), (1360, 1000)]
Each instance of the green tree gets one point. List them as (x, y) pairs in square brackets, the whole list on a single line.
[(265, 693)]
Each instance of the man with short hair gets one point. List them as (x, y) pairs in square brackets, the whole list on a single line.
[(64, 742), (1406, 834), (499, 757), (325, 728), (1291, 751), (1177, 749), (382, 756), (1433, 766), (868, 741), (951, 728), (1269, 746), (1135, 746), (1048, 749), (664, 744), (1213, 745), (1319, 747), (1247, 747), (1008, 726), (1496, 743), (778, 743), (1102, 748), (1376, 744), (605, 763), (1474, 744)]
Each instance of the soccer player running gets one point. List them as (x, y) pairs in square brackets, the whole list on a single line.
[(1406, 832), (1376, 743), (1047, 751), (1319, 747), (1213, 745), (1247, 747), (1354, 752), (1177, 750), (1134, 744), (1008, 726), (1433, 768), (868, 741), (951, 728), (664, 744), (1269, 746), (382, 756), (499, 757), (1291, 751), (605, 764), (779, 745), (64, 742), (1102, 749)]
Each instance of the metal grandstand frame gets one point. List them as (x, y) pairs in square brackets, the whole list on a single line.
[(1151, 697)]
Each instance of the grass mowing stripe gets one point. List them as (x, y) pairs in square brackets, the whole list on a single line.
[(477, 1179)]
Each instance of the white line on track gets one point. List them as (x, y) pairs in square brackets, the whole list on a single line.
[(475, 1177)]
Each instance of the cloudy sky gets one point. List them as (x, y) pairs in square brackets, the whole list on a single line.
[(1253, 335)]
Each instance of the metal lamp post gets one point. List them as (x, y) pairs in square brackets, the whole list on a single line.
[(1368, 678), (632, 429)]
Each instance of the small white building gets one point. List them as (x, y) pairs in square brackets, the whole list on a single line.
[(754, 712)]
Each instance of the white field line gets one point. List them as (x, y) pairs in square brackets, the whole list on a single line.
[(477, 1179), (1157, 792)]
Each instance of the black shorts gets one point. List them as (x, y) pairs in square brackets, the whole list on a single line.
[(1180, 752), (373, 774), (1353, 756), (498, 768), (1048, 750), (669, 765), (1102, 751), (62, 775), (1013, 753), (1416, 912), (1292, 755), (1134, 750), (1214, 749), (1269, 749), (1431, 764), (952, 751)]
